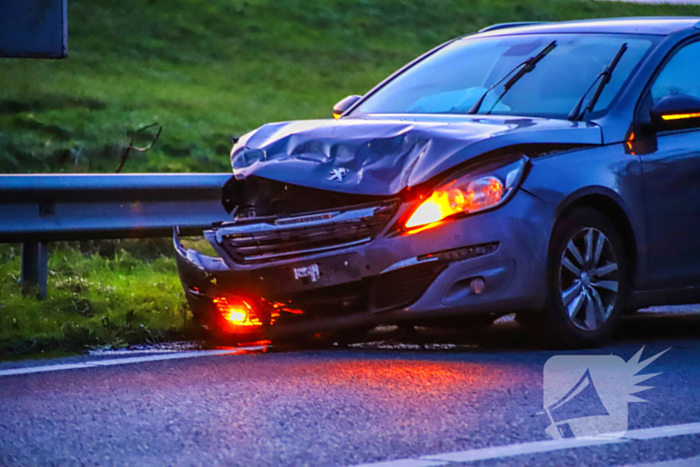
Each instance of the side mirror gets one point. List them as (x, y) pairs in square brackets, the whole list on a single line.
[(340, 108), (676, 112)]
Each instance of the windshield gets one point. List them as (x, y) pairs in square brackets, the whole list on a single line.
[(454, 78)]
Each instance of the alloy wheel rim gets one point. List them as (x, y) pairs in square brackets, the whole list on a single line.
[(588, 279)]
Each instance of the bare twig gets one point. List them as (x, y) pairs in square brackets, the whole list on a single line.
[(131, 146), (17, 351), (77, 158)]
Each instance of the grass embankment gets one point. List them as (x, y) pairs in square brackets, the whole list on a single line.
[(101, 294), (205, 70)]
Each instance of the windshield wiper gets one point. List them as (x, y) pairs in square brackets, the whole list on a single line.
[(604, 77), (525, 66)]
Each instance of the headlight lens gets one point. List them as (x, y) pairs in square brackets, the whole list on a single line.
[(470, 193)]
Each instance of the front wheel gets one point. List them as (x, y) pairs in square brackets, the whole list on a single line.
[(587, 280)]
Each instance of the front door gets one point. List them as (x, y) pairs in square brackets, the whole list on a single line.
[(672, 183)]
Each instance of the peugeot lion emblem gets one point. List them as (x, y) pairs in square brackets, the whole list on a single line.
[(338, 174)]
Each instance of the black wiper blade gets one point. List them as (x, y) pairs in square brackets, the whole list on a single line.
[(604, 77), (477, 105), (522, 68), (530, 65), (574, 114)]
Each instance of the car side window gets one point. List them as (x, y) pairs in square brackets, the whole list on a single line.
[(680, 75)]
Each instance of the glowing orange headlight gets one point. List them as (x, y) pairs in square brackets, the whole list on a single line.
[(236, 312), (451, 199)]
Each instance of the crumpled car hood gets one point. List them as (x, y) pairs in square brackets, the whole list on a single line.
[(383, 155)]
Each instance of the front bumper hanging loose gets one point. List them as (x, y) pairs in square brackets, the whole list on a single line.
[(270, 281)]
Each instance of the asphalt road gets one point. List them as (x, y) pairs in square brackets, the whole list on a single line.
[(410, 399)]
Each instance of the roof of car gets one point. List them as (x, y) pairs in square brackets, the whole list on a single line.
[(658, 26)]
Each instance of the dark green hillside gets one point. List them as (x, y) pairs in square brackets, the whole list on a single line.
[(207, 69)]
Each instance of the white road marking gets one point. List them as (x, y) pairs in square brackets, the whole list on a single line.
[(125, 361), (520, 449), (497, 452), (664, 431)]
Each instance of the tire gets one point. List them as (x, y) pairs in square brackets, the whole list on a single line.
[(587, 279)]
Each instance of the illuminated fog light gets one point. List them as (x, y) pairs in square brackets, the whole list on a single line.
[(236, 312), (477, 286)]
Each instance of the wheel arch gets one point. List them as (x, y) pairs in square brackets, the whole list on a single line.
[(611, 205)]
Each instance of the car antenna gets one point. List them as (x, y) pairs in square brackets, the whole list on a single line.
[(604, 77), (527, 66)]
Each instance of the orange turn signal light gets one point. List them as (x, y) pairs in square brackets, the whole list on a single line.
[(680, 116)]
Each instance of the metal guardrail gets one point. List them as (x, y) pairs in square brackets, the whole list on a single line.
[(37, 209)]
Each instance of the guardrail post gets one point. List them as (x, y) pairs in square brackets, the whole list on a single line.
[(35, 268)]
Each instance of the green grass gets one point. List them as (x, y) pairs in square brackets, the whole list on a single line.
[(102, 294), (209, 69), (205, 70)]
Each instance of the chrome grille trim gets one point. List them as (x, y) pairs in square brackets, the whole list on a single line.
[(274, 239)]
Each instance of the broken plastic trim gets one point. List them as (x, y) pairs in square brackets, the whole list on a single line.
[(455, 254), (255, 197), (466, 252)]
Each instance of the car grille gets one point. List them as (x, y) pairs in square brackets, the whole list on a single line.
[(399, 288), (286, 238)]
